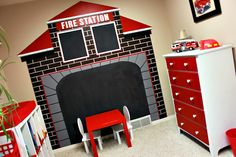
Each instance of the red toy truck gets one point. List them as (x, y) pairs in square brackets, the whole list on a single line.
[(184, 45)]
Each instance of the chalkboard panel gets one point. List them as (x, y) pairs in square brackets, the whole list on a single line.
[(72, 45), (101, 89), (106, 38)]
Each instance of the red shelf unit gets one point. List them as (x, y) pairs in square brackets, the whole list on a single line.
[(28, 136)]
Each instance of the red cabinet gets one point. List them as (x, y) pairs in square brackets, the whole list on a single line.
[(187, 96), (185, 63), (194, 114), (203, 86), (192, 128), (185, 79)]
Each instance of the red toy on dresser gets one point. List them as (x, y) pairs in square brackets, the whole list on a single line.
[(208, 43)]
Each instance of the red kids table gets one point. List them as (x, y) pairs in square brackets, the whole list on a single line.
[(103, 120)]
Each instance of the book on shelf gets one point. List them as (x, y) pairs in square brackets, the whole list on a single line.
[(33, 136), (42, 131)]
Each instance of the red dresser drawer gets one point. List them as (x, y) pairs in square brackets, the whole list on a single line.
[(191, 97), (182, 63), (191, 113), (186, 79), (195, 130)]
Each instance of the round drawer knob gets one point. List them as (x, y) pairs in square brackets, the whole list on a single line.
[(194, 115), (176, 94), (171, 63), (196, 132), (173, 78), (181, 124), (191, 98), (188, 81), (179, 109), (185, 64)]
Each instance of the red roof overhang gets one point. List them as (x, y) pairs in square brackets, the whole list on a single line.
[(41, 44), (132, 26)]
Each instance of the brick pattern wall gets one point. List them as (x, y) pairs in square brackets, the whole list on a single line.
[(48, 62)]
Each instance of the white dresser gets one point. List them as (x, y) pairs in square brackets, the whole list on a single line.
[(203, 84)]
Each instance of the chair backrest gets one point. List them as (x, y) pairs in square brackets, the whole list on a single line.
[(126, 113), (80, 125)]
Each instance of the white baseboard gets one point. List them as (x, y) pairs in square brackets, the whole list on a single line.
[(163, 120)]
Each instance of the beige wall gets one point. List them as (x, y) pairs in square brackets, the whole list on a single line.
[(221, 28), (25, 22)]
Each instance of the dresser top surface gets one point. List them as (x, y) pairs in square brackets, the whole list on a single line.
[(197, 52)]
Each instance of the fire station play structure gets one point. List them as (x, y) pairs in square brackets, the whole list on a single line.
[(90, 60)]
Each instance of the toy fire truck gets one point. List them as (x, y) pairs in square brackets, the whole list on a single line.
[(184, 45)]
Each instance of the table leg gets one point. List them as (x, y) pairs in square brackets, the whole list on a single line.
[(94, 149), (126, 131)]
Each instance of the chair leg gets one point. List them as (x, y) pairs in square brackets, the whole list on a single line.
[(86, 147), (131, 134), (114, 134), (100, 143), (118, 137)]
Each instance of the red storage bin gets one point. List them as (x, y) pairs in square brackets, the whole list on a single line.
[(10, 148), (231, 135)]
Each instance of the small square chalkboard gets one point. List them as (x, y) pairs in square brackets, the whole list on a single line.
[(105, 38), (72, 45)]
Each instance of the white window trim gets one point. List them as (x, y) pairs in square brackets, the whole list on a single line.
[(62, 53), (95, 45)]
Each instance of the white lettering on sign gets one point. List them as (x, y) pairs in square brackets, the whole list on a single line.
[(69, 24), (84, 21)]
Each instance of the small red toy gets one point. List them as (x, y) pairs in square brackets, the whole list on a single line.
[(184, 45), (208, 43)]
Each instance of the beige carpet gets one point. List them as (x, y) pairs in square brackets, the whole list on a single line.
[(157, 140)]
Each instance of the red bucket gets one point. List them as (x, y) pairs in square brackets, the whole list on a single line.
[(231, 134)]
